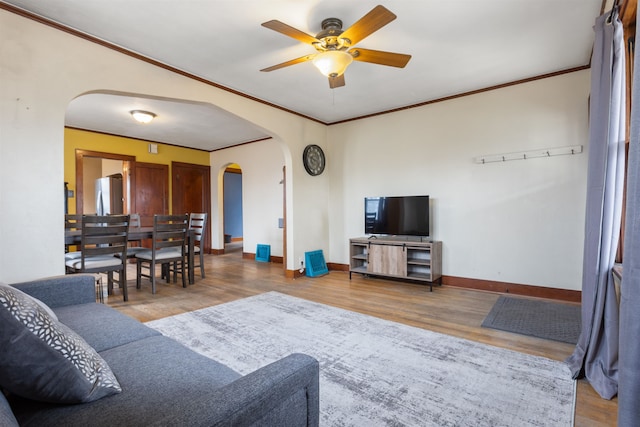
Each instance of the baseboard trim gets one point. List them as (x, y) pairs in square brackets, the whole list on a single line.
[(513, 288), (337, 267), (274, 259), (293, 274), (499, 287)]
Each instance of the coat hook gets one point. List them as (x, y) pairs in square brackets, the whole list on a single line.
[(548, 154)]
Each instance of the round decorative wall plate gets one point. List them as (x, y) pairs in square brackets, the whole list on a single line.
[(313, 159)]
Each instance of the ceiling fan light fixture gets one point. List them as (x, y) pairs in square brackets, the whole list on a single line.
[(332, 63), (142, 116)]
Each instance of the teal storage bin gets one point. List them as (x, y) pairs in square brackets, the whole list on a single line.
[(314, 263), (263, 253)]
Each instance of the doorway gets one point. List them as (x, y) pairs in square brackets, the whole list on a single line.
[(232, 209), (91, 165), (145, 185)]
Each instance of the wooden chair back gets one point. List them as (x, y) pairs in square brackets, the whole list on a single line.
[(170, 231), (198, 223), (72, 222), (104, 235)]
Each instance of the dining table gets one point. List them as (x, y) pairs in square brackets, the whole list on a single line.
[(72, 237)]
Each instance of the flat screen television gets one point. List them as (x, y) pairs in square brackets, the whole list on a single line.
[(398, 215)]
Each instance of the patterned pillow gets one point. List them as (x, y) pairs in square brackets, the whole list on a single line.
[(43, 359)]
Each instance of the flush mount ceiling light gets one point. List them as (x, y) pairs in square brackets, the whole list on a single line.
[(142, 116)]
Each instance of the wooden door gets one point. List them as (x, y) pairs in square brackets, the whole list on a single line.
[(151, 192), (191, 192)]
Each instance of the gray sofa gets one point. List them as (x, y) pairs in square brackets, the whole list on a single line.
[(162, 382)]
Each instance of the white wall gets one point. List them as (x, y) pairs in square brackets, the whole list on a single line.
[(262, 193), (517, 221), (41, 71)]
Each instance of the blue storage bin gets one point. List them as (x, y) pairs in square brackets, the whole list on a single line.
[(263, 253), (314, 263)]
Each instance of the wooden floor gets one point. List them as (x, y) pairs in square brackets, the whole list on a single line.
[(454, 311)]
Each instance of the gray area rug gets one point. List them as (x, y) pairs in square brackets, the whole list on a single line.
[(542, 319), (375, 372)]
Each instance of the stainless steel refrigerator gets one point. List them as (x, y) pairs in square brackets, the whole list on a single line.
[(109, 195)]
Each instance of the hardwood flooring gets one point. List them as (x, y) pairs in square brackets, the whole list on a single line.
[(450, 310)]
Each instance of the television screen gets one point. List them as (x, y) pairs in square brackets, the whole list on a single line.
[(404, 216)]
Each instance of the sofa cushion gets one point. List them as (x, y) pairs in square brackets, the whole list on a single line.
[(42, 359), (6, 415), (101, 326), (163, 383)]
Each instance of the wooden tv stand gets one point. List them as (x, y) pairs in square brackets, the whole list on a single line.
[(401, 258)]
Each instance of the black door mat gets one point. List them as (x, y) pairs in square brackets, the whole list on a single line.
[(542, 319)]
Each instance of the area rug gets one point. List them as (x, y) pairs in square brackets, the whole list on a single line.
[(375, 372), (537, 318)]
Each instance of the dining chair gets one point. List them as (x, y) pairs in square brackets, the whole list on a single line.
[(72, 222), (198, 223), (168, 246), (103, 249), (135, 246)]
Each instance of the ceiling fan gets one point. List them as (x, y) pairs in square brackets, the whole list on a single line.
[(335, 46)]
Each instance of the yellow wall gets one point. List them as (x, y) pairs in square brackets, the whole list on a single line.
[(78, 139)]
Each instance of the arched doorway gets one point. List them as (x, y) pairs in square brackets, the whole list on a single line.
[(232, 209)]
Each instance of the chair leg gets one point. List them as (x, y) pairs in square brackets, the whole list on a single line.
[(152, 273), (166, 271), (110, 282), (138, 272), (175, 271), (123, 282), (201, 264), (184, 282)]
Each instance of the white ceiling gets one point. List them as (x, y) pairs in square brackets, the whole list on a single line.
[(457, 46)]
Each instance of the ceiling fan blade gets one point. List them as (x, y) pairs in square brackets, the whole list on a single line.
[(288, 63), (380, 57), (335, 82), (288, 30), (377, 18)]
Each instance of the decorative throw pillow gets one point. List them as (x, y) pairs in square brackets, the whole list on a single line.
[(43, 359)]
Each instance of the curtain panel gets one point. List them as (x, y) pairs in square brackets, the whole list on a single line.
[(629, 373), (596, 354)]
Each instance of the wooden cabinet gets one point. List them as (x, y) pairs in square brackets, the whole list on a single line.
[(403, 259), (388, 260)]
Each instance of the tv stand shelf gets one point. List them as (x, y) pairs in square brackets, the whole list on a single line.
[(396, 258)]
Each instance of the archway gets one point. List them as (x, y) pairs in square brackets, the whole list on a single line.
[(232, 209)]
